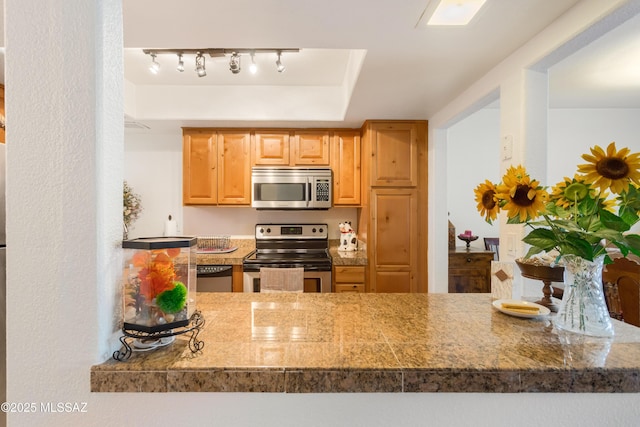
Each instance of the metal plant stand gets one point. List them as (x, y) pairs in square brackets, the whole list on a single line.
[(196, 322)]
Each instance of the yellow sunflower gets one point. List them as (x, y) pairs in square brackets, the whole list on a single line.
[(487, 205), (612, 170), (524, 198)]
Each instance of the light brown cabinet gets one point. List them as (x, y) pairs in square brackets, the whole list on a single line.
[(291, 148), (392, 219), (271, 148), (394, 231), (216, 167), (394, 155), (469, 270), (217, 161), (199, 167), (348, 279), (234, 168), (345, 164), (310, 148)]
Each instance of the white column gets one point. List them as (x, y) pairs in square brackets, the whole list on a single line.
[(523, 135), (64, 188)]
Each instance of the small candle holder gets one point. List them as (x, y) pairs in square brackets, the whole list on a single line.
[(467, 238)]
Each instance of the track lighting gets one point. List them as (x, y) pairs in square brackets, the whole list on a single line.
[(180, 63), (234, 63), (200, 67), (279, 65), (155, 66), (253, 68)]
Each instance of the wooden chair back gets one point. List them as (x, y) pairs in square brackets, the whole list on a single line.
[(621, 282), (493, 244)]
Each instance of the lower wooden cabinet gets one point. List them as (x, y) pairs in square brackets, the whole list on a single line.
[(469, 270), (348, 278)]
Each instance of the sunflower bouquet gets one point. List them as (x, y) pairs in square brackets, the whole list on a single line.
[(578, 216)]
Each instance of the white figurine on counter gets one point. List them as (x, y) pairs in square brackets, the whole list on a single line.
[(348, 238)]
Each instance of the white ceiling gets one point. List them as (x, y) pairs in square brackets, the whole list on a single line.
[(359, 59)]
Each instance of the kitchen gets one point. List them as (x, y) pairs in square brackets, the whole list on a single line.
[(395, 405)]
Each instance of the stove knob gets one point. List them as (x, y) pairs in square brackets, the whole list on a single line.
[(268, 230), (261, 230), (321, 230), (313, 230)]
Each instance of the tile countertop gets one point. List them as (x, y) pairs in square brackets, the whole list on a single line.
[(319, 343)]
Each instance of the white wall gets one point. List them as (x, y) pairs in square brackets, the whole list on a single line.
[(153, 168), (572, 132), (473, 147)]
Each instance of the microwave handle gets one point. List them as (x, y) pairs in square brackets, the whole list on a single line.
[(308, 194)]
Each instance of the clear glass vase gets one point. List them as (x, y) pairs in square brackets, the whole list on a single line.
[(583, 309)]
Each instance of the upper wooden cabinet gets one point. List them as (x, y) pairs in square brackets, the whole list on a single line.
[(234, 168), (199, 171), (296, 148), (345, 164), (394, 154), (310, 148), (271, 149), (217, 161), (216, 167)]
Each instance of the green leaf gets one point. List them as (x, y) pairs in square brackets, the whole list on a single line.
[(613, 221), (633, 243), (542, 238), (532, 251)]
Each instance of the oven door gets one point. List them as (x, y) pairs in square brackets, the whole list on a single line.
[(314, 281), (276, 189), (215, 278)]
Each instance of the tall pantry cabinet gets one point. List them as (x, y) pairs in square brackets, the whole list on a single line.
[(393, 219)]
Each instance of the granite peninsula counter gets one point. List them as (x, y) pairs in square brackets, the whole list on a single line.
[(320, 343)]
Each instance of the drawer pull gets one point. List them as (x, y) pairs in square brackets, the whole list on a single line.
[(468, 259)]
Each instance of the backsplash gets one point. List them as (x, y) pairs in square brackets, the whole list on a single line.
[(239, 222)]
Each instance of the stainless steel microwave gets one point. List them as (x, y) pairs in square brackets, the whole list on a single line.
[(291, 188)]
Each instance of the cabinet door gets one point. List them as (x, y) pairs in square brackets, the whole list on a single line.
[(310, 148), (394, 155), (394, 220), (345, 164), (271, 149), (234, 168), (199, 180)]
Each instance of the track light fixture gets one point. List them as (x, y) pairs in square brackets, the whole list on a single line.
[(155, 66), (180, 63), (279, 66), (200, 67), (234, 61), (253, 68)]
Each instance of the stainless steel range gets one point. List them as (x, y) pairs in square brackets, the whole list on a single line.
[(290, 246)]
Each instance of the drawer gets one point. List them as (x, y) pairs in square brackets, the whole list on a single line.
[(470, 260), (349, 287), (349, 274)]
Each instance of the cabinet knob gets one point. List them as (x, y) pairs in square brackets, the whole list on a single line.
[(468, 259)]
